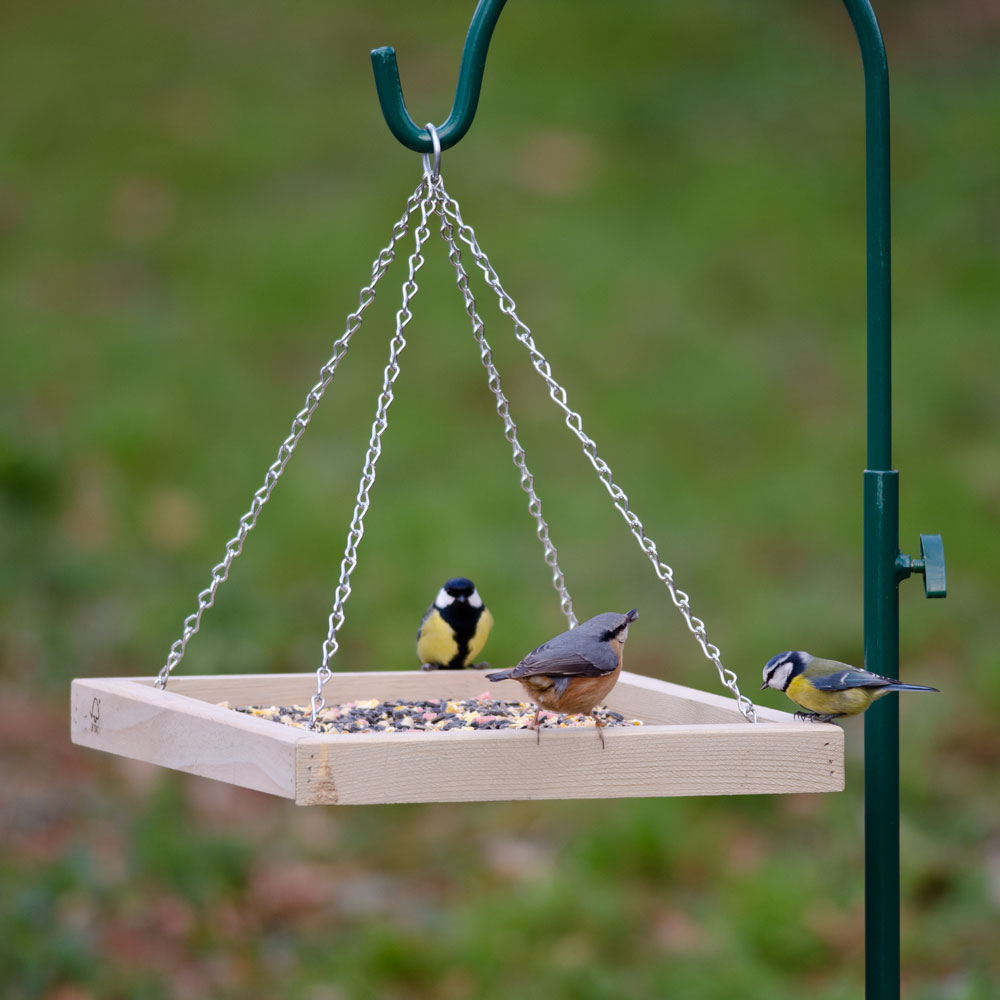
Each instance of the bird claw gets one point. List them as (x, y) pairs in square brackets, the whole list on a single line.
[(472, 666), (599, 726), (816, 716), (536, 725)]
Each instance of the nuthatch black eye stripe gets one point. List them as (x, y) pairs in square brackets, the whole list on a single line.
[(617, 631)]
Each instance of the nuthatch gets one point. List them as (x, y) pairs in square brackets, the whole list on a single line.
[(454, 628), (575, 671), (828, 688)]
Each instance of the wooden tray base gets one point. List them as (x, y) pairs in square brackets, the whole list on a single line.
[(691, 743)]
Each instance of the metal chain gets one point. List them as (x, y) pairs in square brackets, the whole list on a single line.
[(503, 408), (431, 196), (390, 374), (575, 423), (234, 546)]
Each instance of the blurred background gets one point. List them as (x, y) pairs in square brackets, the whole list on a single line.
[(191, 196)]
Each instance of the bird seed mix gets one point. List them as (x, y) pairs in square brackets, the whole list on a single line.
[(434, 715)]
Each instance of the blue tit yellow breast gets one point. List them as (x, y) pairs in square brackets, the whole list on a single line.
[(436, 642), (850, 701)]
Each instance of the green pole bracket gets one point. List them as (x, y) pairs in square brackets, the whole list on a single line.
[(930, 565), (470, 80)]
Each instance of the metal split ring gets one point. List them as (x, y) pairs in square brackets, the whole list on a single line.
[(434, 172)]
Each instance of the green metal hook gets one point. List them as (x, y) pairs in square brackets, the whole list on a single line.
[(470, 80)]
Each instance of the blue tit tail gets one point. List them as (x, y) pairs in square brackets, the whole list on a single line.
[(499, 675), (896, 686)]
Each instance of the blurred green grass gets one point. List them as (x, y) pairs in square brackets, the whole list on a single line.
[(190, 198)]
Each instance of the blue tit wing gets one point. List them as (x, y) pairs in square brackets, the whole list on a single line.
[(568, 656), (841, 680)]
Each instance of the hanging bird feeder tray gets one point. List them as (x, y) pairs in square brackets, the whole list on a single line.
[(689, 743)]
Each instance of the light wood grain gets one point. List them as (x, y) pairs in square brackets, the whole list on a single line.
[(569, 764), (697, 742), (287, 689), (656, 701), (161, 727)]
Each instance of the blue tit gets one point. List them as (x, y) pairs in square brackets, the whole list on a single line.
[(454, 628), (828, 688)]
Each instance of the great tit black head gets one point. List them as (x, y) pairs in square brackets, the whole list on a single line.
[(458, 589), (780, 670)]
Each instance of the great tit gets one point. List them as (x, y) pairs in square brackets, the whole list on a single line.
[(828, 688), (454, 628), (573, 672)]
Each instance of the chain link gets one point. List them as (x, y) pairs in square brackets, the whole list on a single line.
[(575, 423), (357, 529), (234, 546), (503, 408)]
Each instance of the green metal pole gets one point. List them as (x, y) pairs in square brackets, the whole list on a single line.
[(881, 539), (881, 546)]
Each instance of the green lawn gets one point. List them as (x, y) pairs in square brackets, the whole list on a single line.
[(191, 196)]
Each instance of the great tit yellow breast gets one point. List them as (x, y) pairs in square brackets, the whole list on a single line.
[(480, 635), (436, 641)]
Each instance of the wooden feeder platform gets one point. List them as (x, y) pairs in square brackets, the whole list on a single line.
[(691, 742)]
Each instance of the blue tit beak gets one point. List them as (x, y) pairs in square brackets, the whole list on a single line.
[(763, 686)]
